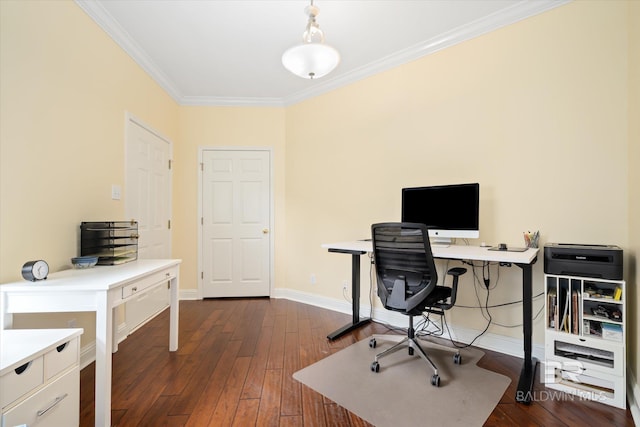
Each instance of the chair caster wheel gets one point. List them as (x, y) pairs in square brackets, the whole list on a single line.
[(375, 367), (372, 343), (457, 359), (435, 380)]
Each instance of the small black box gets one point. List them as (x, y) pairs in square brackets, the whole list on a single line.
[(599, 261)]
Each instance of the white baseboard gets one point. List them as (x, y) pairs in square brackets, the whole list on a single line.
[(189, 294), (87, 355), (488, 341)]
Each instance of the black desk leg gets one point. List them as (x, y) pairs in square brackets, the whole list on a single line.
[(356, 322), (524, 392)]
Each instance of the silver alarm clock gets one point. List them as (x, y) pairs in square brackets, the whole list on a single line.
[(35, 270)]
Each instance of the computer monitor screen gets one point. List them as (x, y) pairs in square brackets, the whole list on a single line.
[(449, 211)]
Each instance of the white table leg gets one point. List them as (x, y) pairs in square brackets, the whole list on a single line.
[(173, 315), (114, 328), (104, 341)]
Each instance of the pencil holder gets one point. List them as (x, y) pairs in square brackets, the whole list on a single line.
[(531, 239)]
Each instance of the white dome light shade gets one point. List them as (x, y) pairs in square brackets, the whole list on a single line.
[(311, 60)]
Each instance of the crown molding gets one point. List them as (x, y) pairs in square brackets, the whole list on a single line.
[(219, 101), (114, 30), (519, 11)]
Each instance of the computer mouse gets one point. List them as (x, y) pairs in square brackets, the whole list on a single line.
[(502, 246)]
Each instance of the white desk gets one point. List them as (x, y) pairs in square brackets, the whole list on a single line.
[(98, 289), (524, 260)]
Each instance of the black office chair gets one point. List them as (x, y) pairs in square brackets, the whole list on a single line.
[(407, 282)]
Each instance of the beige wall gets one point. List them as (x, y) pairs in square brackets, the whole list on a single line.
[(538, 112), (634, 190), (64, 89), (222, 127), (535, 112)]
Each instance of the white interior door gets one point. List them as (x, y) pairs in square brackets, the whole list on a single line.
[(148, 201), (148, 190), (236, 235)]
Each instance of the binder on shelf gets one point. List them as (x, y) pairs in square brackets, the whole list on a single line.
[(575, 321)]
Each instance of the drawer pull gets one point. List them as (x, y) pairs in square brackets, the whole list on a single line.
[(61, 347), (134, 289), (55, 402), (20, 369)]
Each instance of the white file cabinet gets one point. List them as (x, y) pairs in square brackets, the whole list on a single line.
[(40, 377)]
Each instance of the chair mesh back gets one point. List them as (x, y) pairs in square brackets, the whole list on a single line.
[(402, 251)]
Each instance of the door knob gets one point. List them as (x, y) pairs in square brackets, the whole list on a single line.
[(265, 231)]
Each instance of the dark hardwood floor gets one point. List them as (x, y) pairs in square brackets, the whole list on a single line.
[(235, 364)]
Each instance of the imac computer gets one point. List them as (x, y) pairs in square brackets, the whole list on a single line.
[(449, 211)]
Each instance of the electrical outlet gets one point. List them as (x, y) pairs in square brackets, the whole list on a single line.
[(72, 323), (313, 279), (345, 286)]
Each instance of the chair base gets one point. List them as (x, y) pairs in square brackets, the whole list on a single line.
[(413, 346)]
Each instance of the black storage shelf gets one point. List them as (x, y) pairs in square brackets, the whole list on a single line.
[(113, 242)]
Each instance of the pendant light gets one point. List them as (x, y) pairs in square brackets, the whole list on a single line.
[(313, 58)]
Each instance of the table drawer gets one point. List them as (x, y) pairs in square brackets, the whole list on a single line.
[(57, 404), (147, 282), (21, 380), (60, 358)]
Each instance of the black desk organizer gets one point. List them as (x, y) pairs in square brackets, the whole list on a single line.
[(113, 242)]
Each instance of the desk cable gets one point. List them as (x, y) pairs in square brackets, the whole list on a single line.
[(485, 282), (371, 280)]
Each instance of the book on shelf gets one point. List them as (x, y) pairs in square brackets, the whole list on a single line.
[(552, 308)]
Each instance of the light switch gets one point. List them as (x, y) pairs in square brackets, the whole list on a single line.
[(116, 192)]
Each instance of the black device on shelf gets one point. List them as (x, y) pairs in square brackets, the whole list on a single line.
[(599, 261), (113, 242)]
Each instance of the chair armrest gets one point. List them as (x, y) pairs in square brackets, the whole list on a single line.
[(457, 271)]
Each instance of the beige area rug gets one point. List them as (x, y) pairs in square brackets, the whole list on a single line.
[(401, 394)]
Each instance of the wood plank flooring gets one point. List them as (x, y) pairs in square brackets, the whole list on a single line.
[(235, 363)]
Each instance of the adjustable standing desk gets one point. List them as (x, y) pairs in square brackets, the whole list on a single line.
[(524, 260)]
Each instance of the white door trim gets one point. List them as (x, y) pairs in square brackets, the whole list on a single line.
[(130, 118), (201, 150)]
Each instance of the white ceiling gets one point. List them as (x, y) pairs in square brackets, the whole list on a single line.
[(228, 52)]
